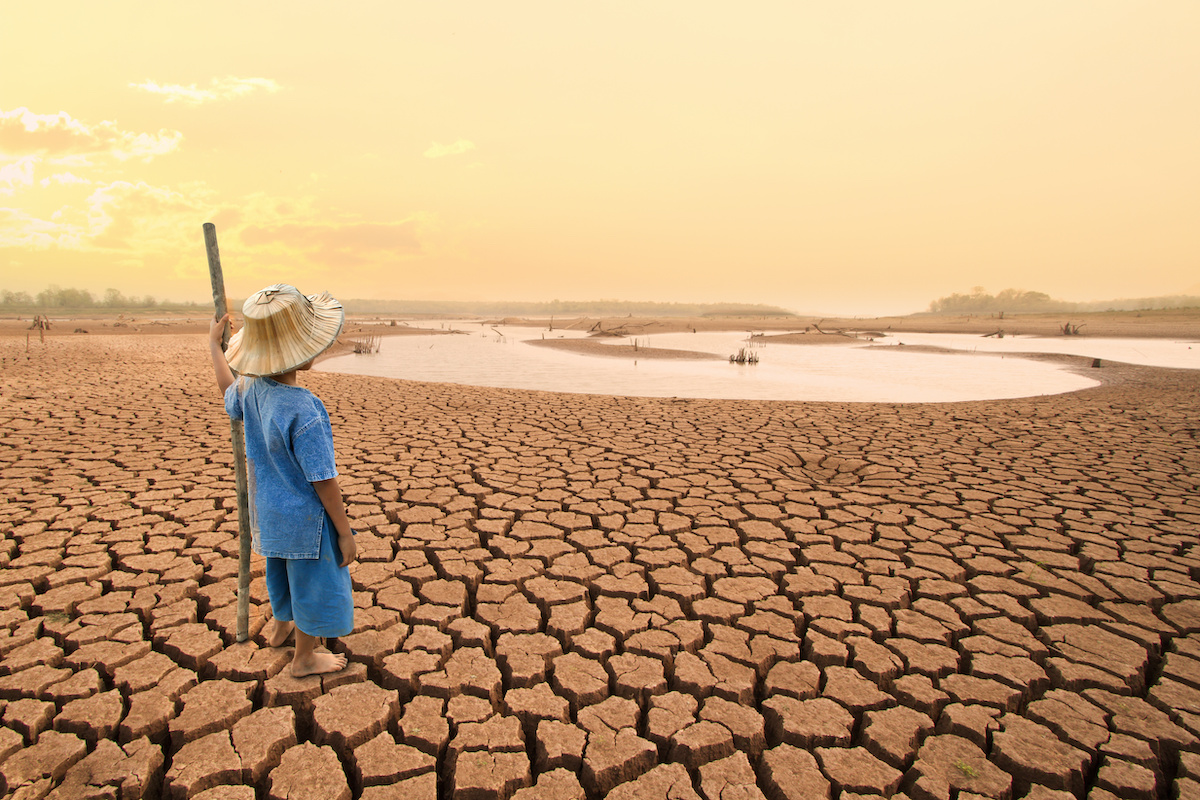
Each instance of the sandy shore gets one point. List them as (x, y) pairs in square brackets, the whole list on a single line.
[(1183, 324), (595, 347), (1174, 324), (604, 595)]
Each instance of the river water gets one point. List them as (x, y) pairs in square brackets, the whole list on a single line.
[(889, 371)]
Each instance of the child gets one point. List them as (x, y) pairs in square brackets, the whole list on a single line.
[(297, 518)]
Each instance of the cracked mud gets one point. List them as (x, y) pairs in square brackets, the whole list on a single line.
[(567, 596)]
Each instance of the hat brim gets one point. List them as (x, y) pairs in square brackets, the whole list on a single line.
[(283, 342)]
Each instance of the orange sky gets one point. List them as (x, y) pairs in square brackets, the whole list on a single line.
[(826, 157)]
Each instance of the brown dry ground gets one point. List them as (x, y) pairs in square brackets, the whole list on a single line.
[(574, 596)]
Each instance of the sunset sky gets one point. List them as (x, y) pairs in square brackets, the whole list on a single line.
[(834, 157)]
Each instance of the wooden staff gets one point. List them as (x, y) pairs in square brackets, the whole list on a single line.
[(239, 446)]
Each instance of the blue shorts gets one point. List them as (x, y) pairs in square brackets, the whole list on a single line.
[(314, 593)]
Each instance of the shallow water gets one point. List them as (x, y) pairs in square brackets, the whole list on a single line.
[(1149, 352), (886, 372)]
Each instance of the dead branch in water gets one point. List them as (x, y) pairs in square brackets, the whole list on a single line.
[(744, 356), (367, 344)]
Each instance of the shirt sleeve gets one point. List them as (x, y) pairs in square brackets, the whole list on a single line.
[(233, 400), (313, 446)]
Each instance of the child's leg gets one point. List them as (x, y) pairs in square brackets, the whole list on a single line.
[(312, 660), (280, 595), (322, 602), (279, 592), (278, 632)]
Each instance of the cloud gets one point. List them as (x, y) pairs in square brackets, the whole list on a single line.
[(227, 88), (21, 229), (437, 149), (124, 216), (153, 231), (17, 173), (338, 244), (141, 220), (116, 217), (24, 132), (64, 179)]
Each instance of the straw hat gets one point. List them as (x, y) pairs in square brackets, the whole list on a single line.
[(283, 329)]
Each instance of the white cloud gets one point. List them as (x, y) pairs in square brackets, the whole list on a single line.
[(116, 217), (226, 88), (73, 160), (64, 179), (147, 146), (17, 173), (437, 149), (23, 131), (21, 229)]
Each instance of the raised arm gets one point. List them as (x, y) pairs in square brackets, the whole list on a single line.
[(224, 374)]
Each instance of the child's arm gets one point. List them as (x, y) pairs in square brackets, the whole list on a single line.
[(331, 497), (224, 374)]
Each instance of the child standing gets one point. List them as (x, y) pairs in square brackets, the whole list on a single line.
[(297, 518)]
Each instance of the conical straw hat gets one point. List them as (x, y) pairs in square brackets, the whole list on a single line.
[(283, 329)]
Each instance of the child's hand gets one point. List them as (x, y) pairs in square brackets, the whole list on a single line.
[(217, 329), (220, 365), (349, 548)]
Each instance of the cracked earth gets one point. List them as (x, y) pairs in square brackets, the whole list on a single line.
[(567, 596)]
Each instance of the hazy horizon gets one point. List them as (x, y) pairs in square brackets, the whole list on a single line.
[(825, 159), (974, 303)]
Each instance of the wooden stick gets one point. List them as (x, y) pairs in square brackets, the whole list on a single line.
[(239, 446)]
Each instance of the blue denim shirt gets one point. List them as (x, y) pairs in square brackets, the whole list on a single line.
[(289, 446)]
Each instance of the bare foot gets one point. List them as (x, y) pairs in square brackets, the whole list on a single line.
[(279, 632), (318, 664)]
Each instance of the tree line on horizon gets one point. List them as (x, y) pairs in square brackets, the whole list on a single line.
[(607, 308), (978, 301), (56, 297), (59, 298), (1017, 301)]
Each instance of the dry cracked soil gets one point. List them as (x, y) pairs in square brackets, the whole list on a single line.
[(568, 596)]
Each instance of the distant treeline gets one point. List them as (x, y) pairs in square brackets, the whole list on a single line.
[(1008, 300), (1017, 300), (562, 308), (57, 298)]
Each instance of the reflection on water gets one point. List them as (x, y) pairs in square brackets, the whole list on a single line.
[(499, 357)]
